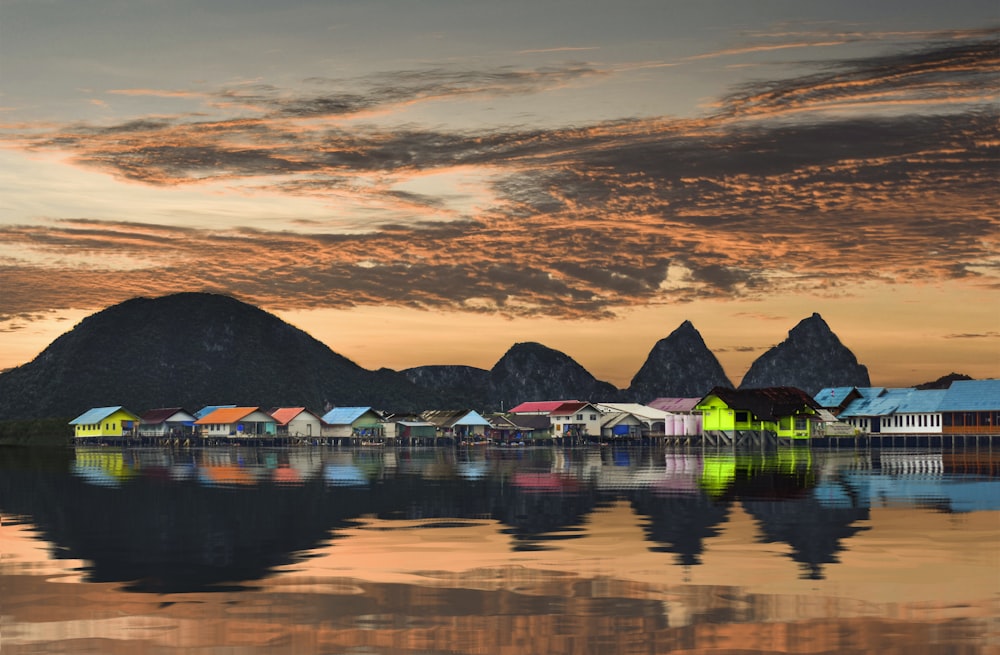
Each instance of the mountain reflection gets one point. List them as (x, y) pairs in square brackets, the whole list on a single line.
[(215, 519)]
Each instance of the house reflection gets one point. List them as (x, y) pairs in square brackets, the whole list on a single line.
[(164, 520)]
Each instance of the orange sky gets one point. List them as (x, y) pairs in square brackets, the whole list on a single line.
[(428, 186)]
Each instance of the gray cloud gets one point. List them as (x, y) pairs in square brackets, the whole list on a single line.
[(753, 200)]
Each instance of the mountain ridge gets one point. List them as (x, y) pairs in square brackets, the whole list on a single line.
[(195, 349)]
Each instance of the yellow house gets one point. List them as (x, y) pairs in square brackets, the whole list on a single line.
[(787, 411), (105, 422)]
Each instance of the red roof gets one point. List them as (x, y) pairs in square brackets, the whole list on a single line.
[(284, 415), (571, 407), (539, 406)]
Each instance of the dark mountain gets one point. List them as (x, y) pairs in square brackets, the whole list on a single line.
[(944, 381), (678, 366), (531, 371), (191, 350), (456, 386), (811, 358)]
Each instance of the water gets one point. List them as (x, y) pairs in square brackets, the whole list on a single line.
[(509, 551)]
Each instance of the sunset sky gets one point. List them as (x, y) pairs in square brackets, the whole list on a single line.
[(430, 182)]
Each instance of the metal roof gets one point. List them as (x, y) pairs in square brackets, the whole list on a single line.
[(226, 415), (445, 418), (882, 404), (972, 396), (674, 404), (98, 414), (539, 406), (766, 403), (162, 415), (284, 415), (208, 409), (832, 396), (922, 401), (640, 411), (345, 415)]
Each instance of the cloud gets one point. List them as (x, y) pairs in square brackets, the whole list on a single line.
[(976, 335), (765, 196)]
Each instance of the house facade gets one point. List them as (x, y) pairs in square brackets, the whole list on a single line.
[(296, 422), (353, 422), (166, 422), (576, 419), (786, 411), (106, 422), (237, 422), (457, 424)]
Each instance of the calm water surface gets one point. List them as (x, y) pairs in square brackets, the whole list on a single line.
[(509, 551)]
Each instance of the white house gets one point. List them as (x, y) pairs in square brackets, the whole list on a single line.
[(296, 422)]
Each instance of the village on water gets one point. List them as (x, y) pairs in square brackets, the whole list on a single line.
[(968, 412)]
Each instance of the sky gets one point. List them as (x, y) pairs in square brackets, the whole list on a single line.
[(431, 182)]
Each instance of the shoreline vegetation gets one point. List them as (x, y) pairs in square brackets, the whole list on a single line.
[(44, 432)]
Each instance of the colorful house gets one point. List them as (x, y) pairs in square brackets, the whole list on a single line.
[(577, 419), (786, 411), (105, 422), (539, 407), (457, 424), (296, 422), (166, 422), (346, 422), (237, 422)]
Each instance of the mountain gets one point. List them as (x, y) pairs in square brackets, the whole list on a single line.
[(678, 366), (811, 358), (944, 381), (531, 371), (456, 386), (192, 350)]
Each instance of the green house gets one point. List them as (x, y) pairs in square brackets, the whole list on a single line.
[(786, 411)]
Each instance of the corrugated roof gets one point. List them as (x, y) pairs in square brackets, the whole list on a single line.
[(208, 409), (766, 403), (98, 414), (832, 396), (284, 415), (225, 415), (636, 409), (674, 404), (922, 401), (884, 403), (447, 418), (972, 396), (344, 415), (157, 416), (531, 421), (536, 406), (569, 408)]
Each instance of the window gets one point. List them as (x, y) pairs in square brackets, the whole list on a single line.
[(579, 417), (593, 417), (800, 424), (742, 417)]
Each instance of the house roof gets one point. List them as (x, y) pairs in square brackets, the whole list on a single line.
[(674, 404), (157, 416), (886, 402), (539, 406), (284, 415), (208, 409), (446, 418), (344, 415), (639, 411), (225, 415), (972, 396), (766, 403), (571, 407), (98, 414), (833, 396), (922, 401)]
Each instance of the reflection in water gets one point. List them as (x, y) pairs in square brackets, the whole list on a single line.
[(547, 551)]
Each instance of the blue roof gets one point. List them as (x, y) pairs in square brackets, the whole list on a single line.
[(208, 409), (344, 415), (882, 404), (922, 401), (832, 396), (96, 415), (972, 396)]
